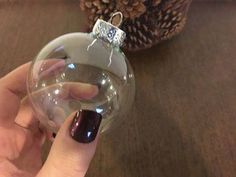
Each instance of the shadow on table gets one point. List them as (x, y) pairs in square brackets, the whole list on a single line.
[(149, 143)]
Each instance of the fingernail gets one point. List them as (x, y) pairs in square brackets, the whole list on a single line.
[(85, 126)]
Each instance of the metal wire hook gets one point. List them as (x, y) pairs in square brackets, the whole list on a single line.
[(114, 15)]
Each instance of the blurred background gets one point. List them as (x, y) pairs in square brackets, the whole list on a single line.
[(183, 121)]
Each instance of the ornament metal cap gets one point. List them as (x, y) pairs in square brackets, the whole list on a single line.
[(109, 32)]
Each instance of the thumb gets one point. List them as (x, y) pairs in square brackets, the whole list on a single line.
[(74, 146)]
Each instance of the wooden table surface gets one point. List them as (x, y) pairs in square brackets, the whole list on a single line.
[(183, 122)]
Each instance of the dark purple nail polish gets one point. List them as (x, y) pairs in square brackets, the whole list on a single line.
[(85, 126)]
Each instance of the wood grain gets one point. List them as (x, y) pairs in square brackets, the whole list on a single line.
[(183, 120)]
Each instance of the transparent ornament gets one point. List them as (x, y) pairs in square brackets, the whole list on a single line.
[(81, 71)]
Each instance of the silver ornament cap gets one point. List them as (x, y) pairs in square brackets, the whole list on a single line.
[(108, 32)]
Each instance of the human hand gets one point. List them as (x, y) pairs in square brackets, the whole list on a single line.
[(21, 139)]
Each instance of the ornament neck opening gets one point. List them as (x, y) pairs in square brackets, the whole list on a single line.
[(110, 31)]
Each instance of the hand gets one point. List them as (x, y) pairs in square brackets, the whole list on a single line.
[(21, 139)]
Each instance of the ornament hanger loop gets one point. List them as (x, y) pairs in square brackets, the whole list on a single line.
[(113, 19)]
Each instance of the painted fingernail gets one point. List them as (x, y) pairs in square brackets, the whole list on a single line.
[(85, 126)]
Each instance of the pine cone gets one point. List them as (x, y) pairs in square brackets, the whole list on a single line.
[(131, 8), (146, 22), (97, 9)]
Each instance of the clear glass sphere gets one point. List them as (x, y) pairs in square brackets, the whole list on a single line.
[(74, 72)]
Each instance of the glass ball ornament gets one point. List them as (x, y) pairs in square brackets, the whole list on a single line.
[(82, 71)]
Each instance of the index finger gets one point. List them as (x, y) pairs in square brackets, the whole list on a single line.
[(12, 88)]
